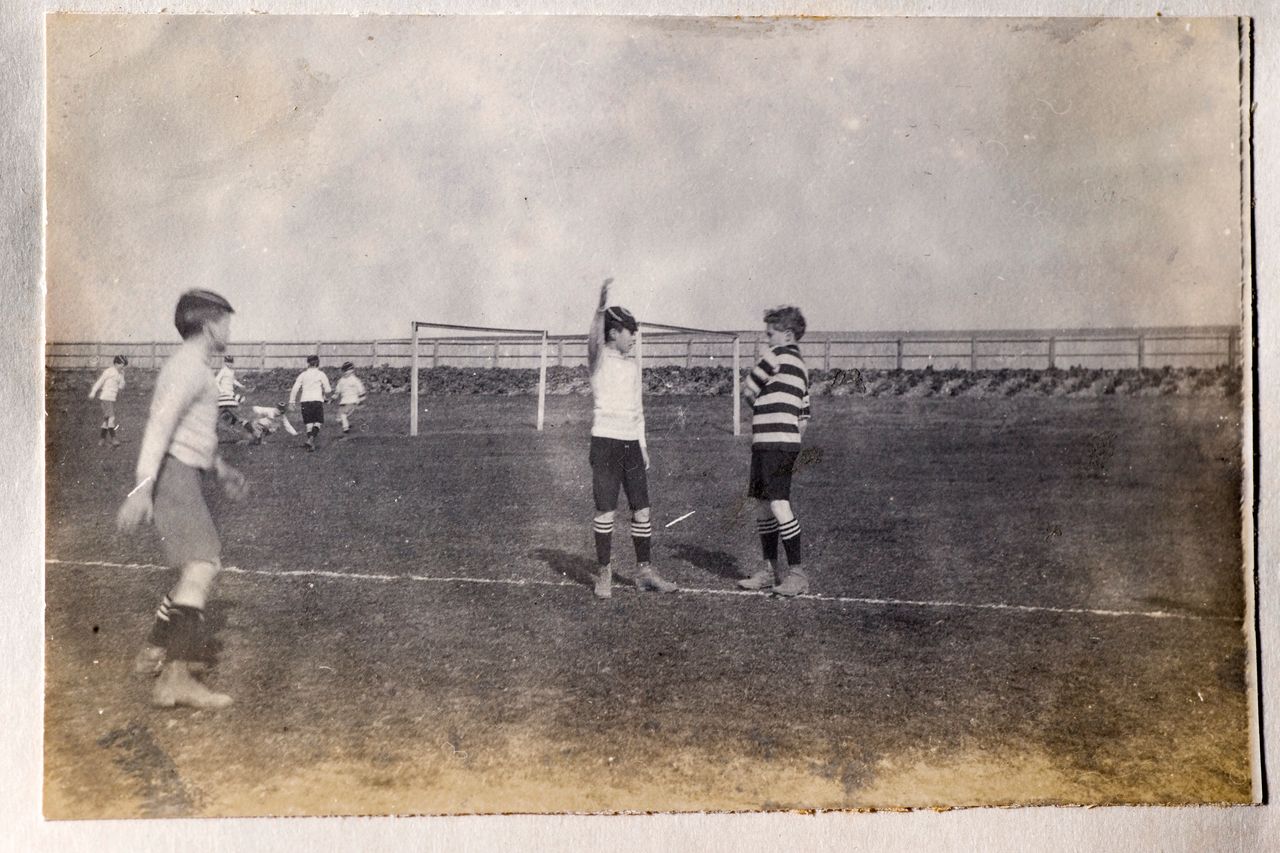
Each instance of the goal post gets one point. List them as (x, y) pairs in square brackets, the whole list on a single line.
[(667, 330), (471, 338)]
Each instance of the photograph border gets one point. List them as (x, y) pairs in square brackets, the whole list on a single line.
[(21, 633)]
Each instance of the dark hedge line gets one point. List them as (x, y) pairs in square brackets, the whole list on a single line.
[(709, 381)]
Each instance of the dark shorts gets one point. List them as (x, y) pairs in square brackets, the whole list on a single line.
[(771, 471), (108, 409), (313, 412), (227, 414), (618, 463), (182, 518)]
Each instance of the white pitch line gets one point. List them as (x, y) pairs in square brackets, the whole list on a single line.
[(835, 599), (680, 519)]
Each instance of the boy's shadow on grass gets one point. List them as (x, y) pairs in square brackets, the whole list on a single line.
[(575, 567), (719, 563)]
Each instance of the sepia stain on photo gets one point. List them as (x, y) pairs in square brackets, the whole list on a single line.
[(464, 415)]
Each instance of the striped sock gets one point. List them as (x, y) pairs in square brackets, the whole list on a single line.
[(184, 642), (604, 540), (791, 541), (641, 534), (159, 635), (768, 530)]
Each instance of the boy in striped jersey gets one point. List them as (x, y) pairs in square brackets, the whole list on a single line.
[(778, 389), (310, 388), (180, 447), (107, 389), (228, 399), (619, 455)]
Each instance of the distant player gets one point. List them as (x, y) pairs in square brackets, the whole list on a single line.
[(778, 389), (350, 392), (619, 454), (266, 420), (179, 449), (310, 389), (228, 397), (107, 390)]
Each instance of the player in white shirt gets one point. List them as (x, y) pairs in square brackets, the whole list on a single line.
[(619, 455), (107, 389), (266, 420), (310, 389), (179, 452), (350, 392), (228, 399)]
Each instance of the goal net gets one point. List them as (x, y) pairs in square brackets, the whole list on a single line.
[(452, 345), (660, 344)]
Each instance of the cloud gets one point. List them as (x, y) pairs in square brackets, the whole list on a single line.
[(339, 175)]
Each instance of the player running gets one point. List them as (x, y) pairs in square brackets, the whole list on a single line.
[(311, 387), (350, 392), (107, 389), (229, 398)]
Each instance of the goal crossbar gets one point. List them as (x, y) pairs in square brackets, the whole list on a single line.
[(736, 337), (688, 329), (528, 335), (420, 324)]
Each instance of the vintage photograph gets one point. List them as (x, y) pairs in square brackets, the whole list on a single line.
[(518, 414)]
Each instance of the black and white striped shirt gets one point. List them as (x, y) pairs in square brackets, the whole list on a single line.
[(779, 389)]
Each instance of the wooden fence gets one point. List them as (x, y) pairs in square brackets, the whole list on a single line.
[(1206, 346)]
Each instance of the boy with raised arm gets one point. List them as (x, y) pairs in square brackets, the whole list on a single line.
[(619, 454)]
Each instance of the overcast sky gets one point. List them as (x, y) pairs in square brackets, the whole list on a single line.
[(336, 177)]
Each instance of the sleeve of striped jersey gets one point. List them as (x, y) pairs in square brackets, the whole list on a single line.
[(760, 374), (805, 412)]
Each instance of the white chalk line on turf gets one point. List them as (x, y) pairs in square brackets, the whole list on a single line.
[(835, 599)]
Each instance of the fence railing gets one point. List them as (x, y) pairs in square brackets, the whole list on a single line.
[(1207, 346)]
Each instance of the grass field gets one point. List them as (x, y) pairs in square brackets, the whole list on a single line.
[(1022, 600)]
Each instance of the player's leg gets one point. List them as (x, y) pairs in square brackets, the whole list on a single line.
[(190, 542), (766, 575), (606, 477), (343, 414), (636, 485), (104, 430), (767, 528), (313, 416), (308, 415), (109, 410), (797, 580)]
